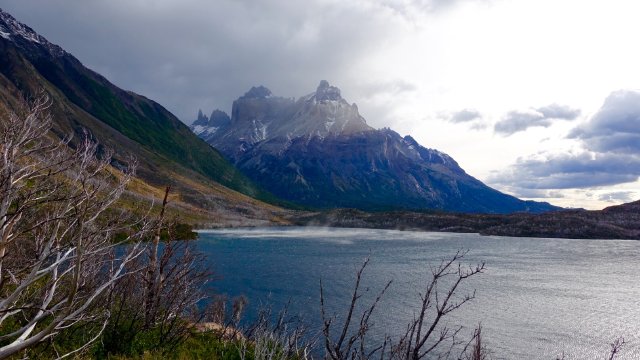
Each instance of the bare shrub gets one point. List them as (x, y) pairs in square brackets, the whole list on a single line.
[(275, 338), (425, 336), (164, 308), (57, 257)]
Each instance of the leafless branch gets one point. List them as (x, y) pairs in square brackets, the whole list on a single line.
[(56, 252), (425, 336)]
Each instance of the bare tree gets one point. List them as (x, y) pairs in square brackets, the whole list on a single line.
[(184, 274), (345, 346), (153, 279), (616, 347), (424, 336), (174, 283), (57, 255)]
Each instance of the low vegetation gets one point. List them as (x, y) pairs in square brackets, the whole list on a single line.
[(616, 222)]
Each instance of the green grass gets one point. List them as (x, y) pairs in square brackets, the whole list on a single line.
[(196, 346)]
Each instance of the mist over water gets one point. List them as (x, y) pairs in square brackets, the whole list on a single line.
[(537, 299)]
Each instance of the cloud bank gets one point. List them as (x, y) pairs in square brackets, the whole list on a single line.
[(617, 197), (192, 54), (615, 127), (516, 121), (610, 152)]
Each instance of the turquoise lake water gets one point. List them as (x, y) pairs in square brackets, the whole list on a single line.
[(537, 298)]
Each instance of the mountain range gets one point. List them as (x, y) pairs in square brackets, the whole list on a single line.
[(318, 151)]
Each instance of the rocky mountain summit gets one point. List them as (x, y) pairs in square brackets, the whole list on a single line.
[(258, 116), (318, 151), (204, 125)]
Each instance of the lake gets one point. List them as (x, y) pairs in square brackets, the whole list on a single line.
[(537, 298)]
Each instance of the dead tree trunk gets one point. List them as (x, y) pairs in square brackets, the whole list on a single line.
[(154, 281)]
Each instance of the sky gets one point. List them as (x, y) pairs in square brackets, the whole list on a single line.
[(537, 98)]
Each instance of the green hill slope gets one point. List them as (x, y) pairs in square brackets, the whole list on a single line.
[(167, 152)]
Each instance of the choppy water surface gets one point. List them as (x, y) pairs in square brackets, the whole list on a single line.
[(537, 299)]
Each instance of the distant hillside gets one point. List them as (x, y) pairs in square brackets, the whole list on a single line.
[(615, 222), (167, 151), (319, 151)]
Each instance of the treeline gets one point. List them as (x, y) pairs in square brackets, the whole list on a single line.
[(616, 222)]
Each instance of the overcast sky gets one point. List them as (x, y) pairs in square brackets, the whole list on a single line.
[(538, 98)]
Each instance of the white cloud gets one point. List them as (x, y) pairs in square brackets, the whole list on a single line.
[(402, 61), (516, 121), (618, 196), (463, 116), (609, 155)]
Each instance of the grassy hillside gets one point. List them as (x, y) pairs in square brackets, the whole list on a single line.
[(167, 153)]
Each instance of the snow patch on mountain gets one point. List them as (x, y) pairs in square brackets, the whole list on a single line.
[(11, 29), (16, 28), (203, 130)]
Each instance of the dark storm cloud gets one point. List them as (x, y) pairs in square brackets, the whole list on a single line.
[(531, 193), (615, 127), (192, 54), (516, 121), (537, 193), (611, 156), (566, 171), (618, 197)]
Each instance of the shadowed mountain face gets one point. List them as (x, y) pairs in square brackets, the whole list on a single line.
[(167, 152), (318, 151)]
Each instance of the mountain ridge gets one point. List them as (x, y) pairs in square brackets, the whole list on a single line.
[(319, 151), (168, 153)]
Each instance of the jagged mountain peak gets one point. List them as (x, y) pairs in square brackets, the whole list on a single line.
[(202, 118), (219, 118), (326, 92), (319, 151), (259, 116), (325, 112), (208, 125), (257, 92)]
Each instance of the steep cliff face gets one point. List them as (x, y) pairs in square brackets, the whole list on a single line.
[(258, 116), (319, 151)]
